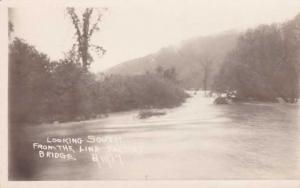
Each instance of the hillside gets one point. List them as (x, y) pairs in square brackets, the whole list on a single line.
[(186, 58)]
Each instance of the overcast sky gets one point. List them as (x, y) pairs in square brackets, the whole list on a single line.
[(131, 30)]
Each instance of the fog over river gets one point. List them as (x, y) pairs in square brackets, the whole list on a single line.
[(198, 140)]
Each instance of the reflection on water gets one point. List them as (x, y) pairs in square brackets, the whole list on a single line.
[(198, 140)]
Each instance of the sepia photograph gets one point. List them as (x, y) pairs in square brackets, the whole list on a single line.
[(154, 90)]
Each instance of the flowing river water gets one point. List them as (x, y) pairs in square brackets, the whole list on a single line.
[(198, 140)]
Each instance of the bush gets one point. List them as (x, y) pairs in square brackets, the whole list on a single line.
[(142, 91)]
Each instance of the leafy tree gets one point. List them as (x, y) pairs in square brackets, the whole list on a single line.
[(169, 74), (263, 66), (84, 31), (29, 81), (159, 70)]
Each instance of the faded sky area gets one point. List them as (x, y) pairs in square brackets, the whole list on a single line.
[(131, 30)]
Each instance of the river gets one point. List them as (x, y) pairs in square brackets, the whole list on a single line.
[(198, 140)]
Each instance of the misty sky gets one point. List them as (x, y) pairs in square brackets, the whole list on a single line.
[(131, 30)]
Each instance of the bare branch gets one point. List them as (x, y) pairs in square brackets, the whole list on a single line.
[(75, 21), (95, 26), (99, 49)]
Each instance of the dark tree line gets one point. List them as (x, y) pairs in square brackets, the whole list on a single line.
[(45, 91), (264, 65)]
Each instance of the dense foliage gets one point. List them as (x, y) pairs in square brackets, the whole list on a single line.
[(45, 91), (141, 91), (264, 65)]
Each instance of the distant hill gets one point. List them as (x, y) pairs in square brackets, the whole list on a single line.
[(186, 58)]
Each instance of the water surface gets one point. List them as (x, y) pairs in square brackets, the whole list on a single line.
[(198, 140)]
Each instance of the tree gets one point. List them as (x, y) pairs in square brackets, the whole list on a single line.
[(263, 66), (159, 70), (29, 83), (205, 64), (84, 31), (169, 74)]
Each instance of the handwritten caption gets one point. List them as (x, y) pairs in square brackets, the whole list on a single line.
[(106, 151)]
